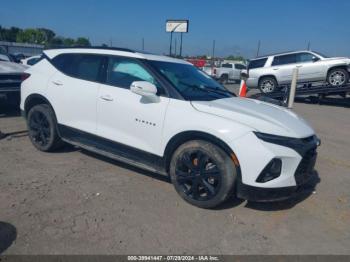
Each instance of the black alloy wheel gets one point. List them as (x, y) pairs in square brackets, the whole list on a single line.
[(39, 128), (42, 128), (202, 173), (198, 175)]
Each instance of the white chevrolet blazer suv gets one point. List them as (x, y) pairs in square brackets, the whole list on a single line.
[(166, 116)]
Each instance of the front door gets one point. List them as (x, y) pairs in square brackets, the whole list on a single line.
[(126, 117), (309, 69)]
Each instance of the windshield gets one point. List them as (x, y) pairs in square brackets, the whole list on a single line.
[(321, 55), (192, 83)]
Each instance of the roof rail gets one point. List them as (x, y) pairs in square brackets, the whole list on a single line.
[(281, 53), (94, 47)]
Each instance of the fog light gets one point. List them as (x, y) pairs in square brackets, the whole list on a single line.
[(271, 171)]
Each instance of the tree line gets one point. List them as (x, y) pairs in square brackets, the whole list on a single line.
[(42, 36)]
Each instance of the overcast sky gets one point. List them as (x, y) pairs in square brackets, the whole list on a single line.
[(236, 25)]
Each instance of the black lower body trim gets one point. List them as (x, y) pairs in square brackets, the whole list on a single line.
[(260, 194), (112, 149)]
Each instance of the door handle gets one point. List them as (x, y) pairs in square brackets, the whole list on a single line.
[(106, 98), (57, 83)]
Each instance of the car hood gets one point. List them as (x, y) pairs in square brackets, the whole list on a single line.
[(10, 67), (260, 116), (345, 59)]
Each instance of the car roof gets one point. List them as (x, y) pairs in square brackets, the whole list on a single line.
[(280, 53), (51, 53)]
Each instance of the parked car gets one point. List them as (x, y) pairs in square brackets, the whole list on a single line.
[(164, 115), (5, 57), (269, 72), (30, 61), (11, 75), (229, 72)]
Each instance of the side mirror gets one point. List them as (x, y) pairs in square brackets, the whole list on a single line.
[(315, 59), (244, 74), (143, 88)]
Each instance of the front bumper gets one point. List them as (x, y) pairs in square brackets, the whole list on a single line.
[(261, 194), (297, 168)]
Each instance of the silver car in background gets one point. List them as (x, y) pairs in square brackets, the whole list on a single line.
[(270, 72)]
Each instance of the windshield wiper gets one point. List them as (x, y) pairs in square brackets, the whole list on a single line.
[(208, 89), (218, 90)]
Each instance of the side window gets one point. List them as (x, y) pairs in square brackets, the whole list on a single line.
[(304, 57), (33, 61), (82, 66), (257, 63), (284, 59), (226, 65), (240, 66), (123, 71)]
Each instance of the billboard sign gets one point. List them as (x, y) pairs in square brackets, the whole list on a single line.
[(176, 26)]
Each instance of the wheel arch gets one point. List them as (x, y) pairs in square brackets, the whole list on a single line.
[(337, 67), (264, 76), (186, 136), (33, 100)]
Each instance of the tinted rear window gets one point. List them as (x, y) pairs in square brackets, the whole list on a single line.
[(83, 66), (284, 59), (257, 63), (239, 66)]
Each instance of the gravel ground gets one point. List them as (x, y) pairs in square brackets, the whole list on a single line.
[(75, 202)]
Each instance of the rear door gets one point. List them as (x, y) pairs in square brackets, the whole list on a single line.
[(282, 67), (73, 90)]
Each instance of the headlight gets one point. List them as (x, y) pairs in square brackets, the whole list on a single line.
[(301, 145)]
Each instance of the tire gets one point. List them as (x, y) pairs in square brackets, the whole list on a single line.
[(42, 128), (202, 174), (224, 79), (337, 77), (268, 84)]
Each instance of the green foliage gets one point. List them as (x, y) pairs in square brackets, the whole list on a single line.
[(82, 41), (9, 34), (32, 36), (41, 36), (68, 42), (237, 58)]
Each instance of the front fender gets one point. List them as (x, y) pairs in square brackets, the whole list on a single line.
[(196, 121)]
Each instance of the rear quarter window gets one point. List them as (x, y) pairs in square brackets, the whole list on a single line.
[(257, 63), (82, 66), (240, 66)]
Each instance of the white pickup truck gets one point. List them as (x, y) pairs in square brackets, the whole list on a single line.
[(228, 72)]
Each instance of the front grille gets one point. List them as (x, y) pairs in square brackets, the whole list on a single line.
[(306, 167), (10, 77), (10, 82)]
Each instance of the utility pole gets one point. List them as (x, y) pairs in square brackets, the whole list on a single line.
[(257, 52), (213, 53), (110, 42), (175, 46), (143, 44), (181, 45), (171, 42), (308, 46)]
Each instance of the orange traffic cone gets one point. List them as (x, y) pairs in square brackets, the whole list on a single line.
[(243, 89)]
